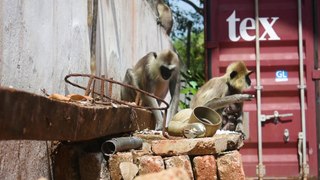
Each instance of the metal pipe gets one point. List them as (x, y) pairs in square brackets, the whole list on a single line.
[(93, 60), (300, 139), (260, 167), (302, 87), (120, 144)]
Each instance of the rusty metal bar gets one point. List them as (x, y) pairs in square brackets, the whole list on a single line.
[(121, 84), (110, 88), (102, 88)]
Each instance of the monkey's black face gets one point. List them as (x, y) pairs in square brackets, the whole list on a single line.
[(233, 74), (165, 72)]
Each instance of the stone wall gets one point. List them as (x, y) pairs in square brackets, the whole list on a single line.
[(160, 158), (202, 158)]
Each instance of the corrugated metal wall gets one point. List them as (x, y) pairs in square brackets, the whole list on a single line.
[(230, 36), (42, 41)]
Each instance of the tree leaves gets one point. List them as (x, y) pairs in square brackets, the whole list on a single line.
[(188, 12)]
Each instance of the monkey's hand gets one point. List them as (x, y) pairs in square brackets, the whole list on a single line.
[(248, 97), (243, 97)]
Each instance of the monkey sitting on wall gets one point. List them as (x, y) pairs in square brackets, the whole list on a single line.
[(156, 73), (164, 16), (232, 83)]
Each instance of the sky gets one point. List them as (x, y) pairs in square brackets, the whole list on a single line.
[(187, 8)]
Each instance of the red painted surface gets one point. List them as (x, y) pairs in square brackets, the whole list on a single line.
[(279, 53), (317, 67)]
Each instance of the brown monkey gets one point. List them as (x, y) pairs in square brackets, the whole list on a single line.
[(231, 84), (156, 73), (164, 16)]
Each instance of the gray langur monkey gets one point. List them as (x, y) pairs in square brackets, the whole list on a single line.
[(165, 18), (224, 94), (156, 73)]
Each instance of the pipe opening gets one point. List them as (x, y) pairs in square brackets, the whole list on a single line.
[(108, 147)]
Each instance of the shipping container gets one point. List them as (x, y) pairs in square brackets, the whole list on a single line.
[(281, 131)]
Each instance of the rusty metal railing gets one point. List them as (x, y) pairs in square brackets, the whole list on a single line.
[(90, 88)]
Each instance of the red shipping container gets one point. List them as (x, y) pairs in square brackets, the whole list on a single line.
[(230, 36)]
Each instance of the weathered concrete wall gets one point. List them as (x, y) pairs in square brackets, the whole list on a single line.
[(128, 32), (42, 41)]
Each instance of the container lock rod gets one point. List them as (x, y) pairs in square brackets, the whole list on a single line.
[(275, 116)]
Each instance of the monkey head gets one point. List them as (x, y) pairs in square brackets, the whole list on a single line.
[(238, 76), (164, 16), (165, 64)]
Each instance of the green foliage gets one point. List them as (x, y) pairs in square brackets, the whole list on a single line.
[(192, 77), (186, 13), (191, 81), (196, 54)]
